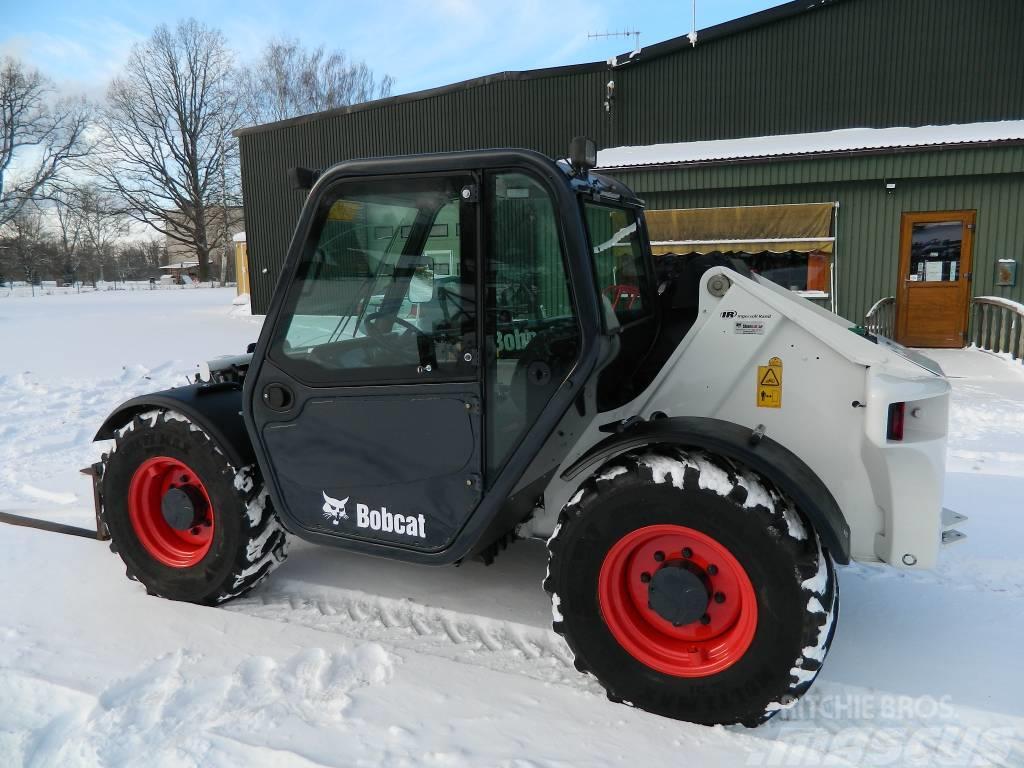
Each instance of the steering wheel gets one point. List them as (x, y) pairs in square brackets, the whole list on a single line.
[(461, 314), (371, 325)]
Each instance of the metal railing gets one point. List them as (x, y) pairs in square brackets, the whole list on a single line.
[(881, 318), (997, 325)]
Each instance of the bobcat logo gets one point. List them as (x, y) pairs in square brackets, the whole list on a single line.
[(334, 510)]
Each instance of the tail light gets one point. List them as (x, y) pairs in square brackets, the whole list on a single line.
[(897, 412), (414, 311)]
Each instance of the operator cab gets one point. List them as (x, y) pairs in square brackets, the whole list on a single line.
[(439, 317)]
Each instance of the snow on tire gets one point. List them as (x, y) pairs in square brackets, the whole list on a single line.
[(691, 587), (186, 523)]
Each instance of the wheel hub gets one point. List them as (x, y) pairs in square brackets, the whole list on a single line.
[(171, 512), (183, 508), (678, 593), (677, 600)]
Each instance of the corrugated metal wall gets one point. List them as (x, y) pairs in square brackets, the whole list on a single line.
[(868, 231), (851, 63)]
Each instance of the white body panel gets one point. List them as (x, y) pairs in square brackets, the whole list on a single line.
[(890, 492)]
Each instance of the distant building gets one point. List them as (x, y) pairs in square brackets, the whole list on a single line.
[(851, 150), (179, 253)]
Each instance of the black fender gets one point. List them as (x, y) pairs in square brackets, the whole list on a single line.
[(215, 407), (733, 441)]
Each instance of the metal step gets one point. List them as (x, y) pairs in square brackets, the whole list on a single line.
[(951, 518), (952, 536)]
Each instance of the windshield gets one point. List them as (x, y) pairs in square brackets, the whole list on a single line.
[(618, 256)]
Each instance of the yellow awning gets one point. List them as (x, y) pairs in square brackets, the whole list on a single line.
[(804, 228)]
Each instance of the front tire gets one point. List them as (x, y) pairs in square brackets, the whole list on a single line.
[(186, 523), (691, 588)]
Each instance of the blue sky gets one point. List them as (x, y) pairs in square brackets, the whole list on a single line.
[(82, 44)]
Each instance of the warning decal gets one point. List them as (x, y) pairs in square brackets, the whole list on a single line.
[(769, 384)]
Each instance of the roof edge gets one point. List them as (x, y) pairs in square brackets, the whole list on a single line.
[(648, 53), (765, 159)]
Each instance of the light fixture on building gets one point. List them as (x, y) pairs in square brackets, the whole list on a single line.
[(890, 187)]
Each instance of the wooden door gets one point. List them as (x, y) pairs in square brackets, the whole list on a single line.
[(934, 291)]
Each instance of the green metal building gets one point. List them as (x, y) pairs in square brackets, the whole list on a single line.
[(759, 112)]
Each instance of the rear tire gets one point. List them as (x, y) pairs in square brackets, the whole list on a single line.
[(701, 528), (236, 539)]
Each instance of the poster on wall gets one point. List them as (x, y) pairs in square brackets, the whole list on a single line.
[(1006, 272)]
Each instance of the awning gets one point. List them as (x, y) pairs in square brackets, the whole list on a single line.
[(803, 227)]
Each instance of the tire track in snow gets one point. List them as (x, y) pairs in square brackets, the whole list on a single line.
[(495, 644)]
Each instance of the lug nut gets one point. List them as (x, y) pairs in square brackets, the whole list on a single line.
[(712, 570), (659, 556), (719, 597), (687, 553), (645, 577), (705, 619)]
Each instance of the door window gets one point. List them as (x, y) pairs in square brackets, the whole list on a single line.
[(385, 290), (618, 259), (533, 336), (935, 248)]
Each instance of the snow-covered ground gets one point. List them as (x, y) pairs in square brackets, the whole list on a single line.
[(342, 660)]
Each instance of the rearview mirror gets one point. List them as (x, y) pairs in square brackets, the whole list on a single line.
[(421, 285)]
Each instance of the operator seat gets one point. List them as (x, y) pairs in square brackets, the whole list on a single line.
[(680, 299)]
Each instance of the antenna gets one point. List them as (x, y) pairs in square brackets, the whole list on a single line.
[(634, 33), (693, 25)]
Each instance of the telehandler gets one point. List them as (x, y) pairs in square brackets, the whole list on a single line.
[(465, 349)]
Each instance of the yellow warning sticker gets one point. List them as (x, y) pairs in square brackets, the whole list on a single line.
[(769, 384)]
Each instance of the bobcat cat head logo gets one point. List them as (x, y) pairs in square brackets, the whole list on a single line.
[(334, 510)]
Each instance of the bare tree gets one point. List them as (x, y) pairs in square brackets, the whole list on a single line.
[(26, 241), (167, 133), (39, 135), (140, 259), (89, 223), (289, 80), (68, 218)]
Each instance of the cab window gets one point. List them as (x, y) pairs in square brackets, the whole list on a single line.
[(385, 290), (617, 254), (533, 336)]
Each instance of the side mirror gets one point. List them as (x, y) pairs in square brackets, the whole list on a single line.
[(421, 285), (302, 178), (582, 155)]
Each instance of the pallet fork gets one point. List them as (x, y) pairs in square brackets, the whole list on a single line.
[(100, 534)]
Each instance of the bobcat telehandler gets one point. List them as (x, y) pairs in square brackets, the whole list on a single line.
[(468, 348)]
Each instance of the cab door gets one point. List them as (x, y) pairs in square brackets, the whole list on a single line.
[(366, 408)]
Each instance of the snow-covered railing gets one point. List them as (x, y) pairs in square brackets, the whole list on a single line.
[(997, 325), (880, 319)]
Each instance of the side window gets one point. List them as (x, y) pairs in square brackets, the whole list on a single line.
[(533, 335), (618, 259), (385, 290)]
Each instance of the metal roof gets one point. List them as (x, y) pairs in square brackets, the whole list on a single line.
[(820, 143), (645, 54)]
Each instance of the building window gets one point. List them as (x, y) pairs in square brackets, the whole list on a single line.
[(791, 245)]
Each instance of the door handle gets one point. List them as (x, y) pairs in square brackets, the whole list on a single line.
[(278, 397)]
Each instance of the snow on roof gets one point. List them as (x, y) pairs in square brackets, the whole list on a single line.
[(843, 140), (182, 265), (238, 237)]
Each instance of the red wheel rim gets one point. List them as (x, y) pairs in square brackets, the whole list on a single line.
[(698, 649), (174, 548)]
